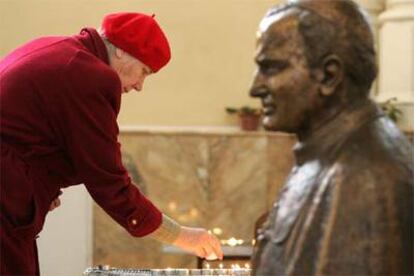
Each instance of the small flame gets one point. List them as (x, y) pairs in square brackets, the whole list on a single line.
[(217, 231)]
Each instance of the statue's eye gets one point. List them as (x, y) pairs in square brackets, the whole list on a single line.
[(271, 67)]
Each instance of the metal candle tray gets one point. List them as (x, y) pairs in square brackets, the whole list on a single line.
[(110, 271)]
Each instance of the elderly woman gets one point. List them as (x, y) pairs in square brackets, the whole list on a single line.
[(60, 97)]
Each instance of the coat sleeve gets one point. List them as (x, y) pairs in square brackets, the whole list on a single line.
[(89, 107)]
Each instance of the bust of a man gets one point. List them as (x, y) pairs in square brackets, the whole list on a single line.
[(347, 205)]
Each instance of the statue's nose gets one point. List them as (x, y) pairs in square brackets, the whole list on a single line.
[(258, 91)]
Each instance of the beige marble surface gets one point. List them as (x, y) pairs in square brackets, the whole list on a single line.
[(208, 178)]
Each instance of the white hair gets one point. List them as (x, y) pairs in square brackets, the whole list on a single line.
[(111, 48)]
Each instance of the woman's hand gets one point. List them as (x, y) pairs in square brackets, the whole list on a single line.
[(199, 242)]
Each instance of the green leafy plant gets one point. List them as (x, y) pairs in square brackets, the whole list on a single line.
[(391, 110)]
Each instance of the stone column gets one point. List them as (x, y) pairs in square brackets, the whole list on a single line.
[(396, 56)]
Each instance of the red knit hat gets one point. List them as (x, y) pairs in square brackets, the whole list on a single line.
[(140, 36)]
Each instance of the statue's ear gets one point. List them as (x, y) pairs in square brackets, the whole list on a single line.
[(330, 75)]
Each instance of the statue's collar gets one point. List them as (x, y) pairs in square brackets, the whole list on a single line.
[(323, 143)]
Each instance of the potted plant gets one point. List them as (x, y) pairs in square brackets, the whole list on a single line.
[(249, 116), (391, 110)]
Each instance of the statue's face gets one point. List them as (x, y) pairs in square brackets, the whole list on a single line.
[(282, 80)]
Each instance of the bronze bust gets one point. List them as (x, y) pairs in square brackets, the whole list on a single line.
[(347, 205)]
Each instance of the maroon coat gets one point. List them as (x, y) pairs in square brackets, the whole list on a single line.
[(59, 103)]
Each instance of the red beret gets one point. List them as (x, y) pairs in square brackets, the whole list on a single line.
[(140, 36)]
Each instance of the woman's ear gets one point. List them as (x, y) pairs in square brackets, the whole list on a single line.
[(331, 75), (119, 53)]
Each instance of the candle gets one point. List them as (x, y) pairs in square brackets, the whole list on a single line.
[(221, 272), (168, 272), (182, 272), (157, 272), (208, 272), (240, 271), (196, 272)]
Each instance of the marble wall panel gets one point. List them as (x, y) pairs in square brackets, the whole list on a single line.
[(209, 180), (237, 184), (174, 168)]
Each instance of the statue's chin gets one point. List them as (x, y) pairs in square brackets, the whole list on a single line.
[(269, 124), (273, 127)]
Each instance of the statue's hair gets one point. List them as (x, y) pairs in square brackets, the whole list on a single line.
[(337, 27)]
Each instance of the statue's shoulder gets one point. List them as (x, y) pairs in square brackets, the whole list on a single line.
[(378, 147)]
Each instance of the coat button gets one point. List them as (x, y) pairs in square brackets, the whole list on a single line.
[(134, 222)]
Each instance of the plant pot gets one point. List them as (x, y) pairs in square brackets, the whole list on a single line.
[(249, 122)]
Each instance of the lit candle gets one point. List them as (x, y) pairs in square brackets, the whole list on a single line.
[(217, 231), (168, 272), (208, 272), (232, 241), (196, 272), (221, 272), (237, 271), (182, 272), (157, 272)]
